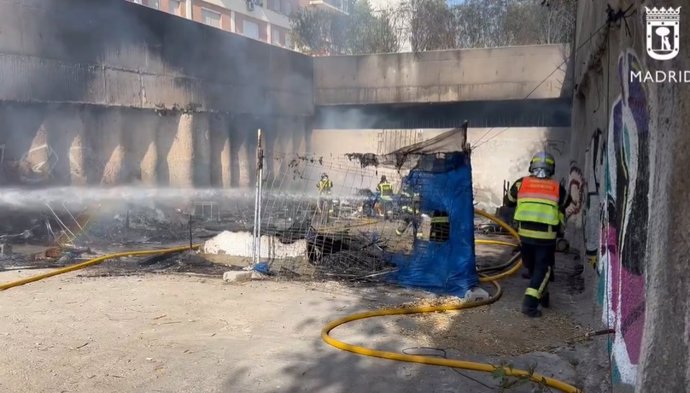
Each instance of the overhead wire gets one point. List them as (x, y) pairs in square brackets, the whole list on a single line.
[(480, 143)]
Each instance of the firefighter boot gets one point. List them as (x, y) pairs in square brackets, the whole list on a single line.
[(545, 300), (530, 306)]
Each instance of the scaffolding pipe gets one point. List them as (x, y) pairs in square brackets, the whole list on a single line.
[(260, 162), (256, 207), (256, 243)]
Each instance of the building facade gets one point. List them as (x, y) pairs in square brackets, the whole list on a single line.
[(263, 20)]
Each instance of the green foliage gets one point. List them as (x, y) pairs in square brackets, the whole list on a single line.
[(432, 24), (492, 23), (506, 382), (323, 32)]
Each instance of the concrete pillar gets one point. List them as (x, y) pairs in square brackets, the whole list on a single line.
[(305, 125), (77, 160), (243, 143), (20, 123), (111, 147), (202, 150), (166, 131), (268, 128), (246, 160), (141, 145), (78, 149), (34, 165), (61, 126), (149, 163), (220, 152), (180, 157)]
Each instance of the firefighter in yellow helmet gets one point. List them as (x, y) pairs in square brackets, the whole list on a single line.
[(385, 191), (540, 215), (325, 184), (324, 204)]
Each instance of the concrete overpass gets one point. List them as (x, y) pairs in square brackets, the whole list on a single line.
[(113, 93), (494, 87)]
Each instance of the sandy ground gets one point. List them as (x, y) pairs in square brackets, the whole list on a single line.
[(182, 333)]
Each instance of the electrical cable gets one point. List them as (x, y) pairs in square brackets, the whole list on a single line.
[(570, 57), (407, 351)]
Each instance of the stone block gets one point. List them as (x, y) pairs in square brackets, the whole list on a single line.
[(476, 294), (237, 276)]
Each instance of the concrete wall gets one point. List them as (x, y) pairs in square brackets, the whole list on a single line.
[(443, 76), (630, 157), (505, 157), (108, 92)]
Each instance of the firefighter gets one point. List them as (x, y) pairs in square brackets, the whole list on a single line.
[(440, 226), (325, 185), (385, 191), (540, 216), (409, 201)]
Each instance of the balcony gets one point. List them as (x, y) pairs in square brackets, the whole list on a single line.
[(330, 5)]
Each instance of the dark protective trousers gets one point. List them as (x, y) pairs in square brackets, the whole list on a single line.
[(539, 261), (409, 219)]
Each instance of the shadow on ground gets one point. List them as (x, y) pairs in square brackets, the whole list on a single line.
[(497, 334)]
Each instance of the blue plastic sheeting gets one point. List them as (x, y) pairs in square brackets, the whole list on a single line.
[(446, 267)]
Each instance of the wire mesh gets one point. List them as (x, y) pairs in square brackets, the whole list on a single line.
[(345, 232)]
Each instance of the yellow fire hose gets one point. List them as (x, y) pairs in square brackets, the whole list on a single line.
[(92, 262), (485, 367), (435, 361)]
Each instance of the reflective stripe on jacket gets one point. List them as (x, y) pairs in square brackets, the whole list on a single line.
[(537, 202), (440, 220), (324, 185), (385, 189)]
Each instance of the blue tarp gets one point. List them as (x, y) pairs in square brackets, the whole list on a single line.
[(445, 185)]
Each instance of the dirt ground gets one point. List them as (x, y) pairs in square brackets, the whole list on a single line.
[(154, 332)]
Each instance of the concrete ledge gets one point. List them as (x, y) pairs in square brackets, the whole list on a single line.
[(443, 76)]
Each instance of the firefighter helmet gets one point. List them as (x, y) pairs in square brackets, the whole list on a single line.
[(542, 164)]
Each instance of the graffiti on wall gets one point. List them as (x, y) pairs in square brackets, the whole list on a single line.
[(591, 220), (623, 231), (577, 189)]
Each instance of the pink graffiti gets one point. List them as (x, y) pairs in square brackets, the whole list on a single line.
[(627, 301)]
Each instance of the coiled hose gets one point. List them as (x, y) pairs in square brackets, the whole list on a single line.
[(435, 361)]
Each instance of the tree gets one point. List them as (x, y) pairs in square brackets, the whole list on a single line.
[(432, 25), (322, 32), (491, 23), (558, 22), (482, 23), (368, 33)]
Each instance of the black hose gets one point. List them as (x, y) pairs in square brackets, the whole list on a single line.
[(502, 266)]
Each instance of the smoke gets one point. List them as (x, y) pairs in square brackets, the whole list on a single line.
[(92, 65), (21, 198)]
